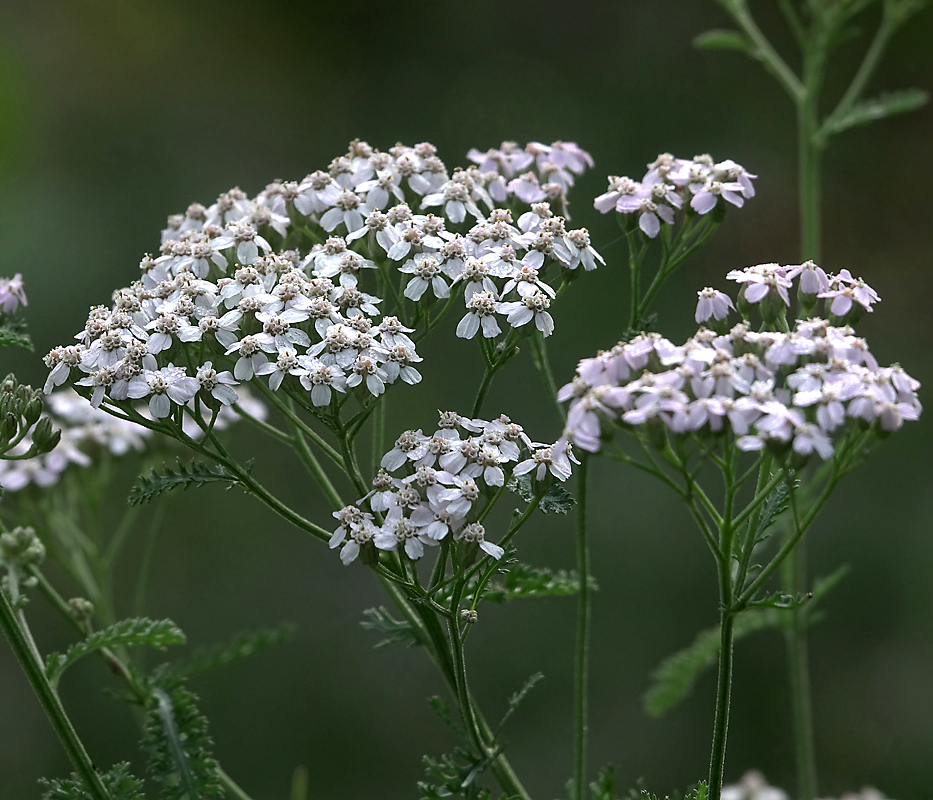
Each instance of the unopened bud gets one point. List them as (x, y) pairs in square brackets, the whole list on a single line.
[(79, 608)]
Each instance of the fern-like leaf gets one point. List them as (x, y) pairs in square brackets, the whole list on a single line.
[(523, 581), (393, 630), (675, 676), (185, 476), (13, 333), (135, 631), (887, 105), (557, 500), (516, 699), (178, 746), (242, 646), (118, 782)]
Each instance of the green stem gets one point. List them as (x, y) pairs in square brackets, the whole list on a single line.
[(581, 656), (723, 694), (35, 673), (795, 634)]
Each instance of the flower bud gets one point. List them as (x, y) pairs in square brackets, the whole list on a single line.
[(80, 609)]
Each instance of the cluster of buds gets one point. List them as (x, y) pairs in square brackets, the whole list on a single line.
[(24, 432), (696, 186), (273, 286), (20, 550), (795, 392), (81, 433), (12, 294), (430, 487)]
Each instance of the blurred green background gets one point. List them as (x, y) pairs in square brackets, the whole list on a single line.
[(113, 115)]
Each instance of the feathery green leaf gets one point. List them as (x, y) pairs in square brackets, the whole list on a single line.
[(239, 648), (135, 631), (185, 476)]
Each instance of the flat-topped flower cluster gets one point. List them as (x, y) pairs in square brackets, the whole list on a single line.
[(801, 389), (274, 286), (86, 431), (430, 487), (674, 184)]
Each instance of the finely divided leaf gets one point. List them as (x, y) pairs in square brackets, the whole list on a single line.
[(774, 505), (887, 105), (674, 677), (516, 699), (157, 633), (239, 648), (522, 581), (179, 747), (13, 333), (394, 630), (118, 782), (722, 40), (557, 500), (184, 476)]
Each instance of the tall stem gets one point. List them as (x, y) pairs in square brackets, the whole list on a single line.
[(809, 157), (581, 659), (723, 697), (798, 667), (50, 702)]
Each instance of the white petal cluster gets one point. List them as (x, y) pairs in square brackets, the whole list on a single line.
[(274, 286), (753, 786), (674, 184), (86, 431), (430, 487), (531, 174), (795, 390), (12, 294)]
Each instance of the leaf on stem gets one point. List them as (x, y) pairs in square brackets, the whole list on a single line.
[(136, 631), (675, 675), (557, 500), (604, 787), (184, 476), (775, 504), (722, 40), (866, 111), (394, 630), (522, 581), (516, 699), (118, 782), (13, 333), (242, 646), (178, 745)]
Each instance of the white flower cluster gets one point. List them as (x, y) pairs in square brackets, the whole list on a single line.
[(753, 786), (534, 173), (86, 431), (12, 294), (796, 389), (448, 478), (700, 182), (257, 284)]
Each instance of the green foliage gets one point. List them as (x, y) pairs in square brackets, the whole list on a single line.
[(516, 699), (178, 747), (604, 787), (876, 108), (455, 775), (722, 40), (139, 630), (698, 792), (675, 675), (118, 782), (393, 630), (185, 476), (242, 646), (522, 580), (775, 504), (440, 707), (13, 333), (557, 500)]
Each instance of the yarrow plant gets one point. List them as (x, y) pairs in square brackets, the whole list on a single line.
[(302, 309)]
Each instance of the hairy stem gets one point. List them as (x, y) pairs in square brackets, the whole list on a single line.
[(52, 706), (581, 654)]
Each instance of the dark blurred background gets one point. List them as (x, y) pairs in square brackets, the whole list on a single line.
[(113, 115)]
